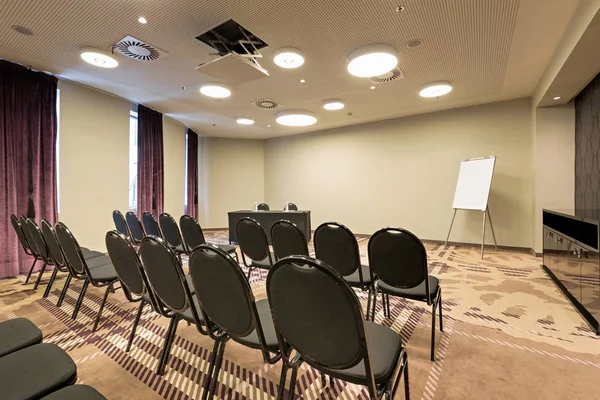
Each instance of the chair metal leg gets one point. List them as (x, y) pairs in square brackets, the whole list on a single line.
[(323, 380), (374, 305), (440, 306), (164, 356), (135, 324), (330, 380), (215, 379), (406, 385), (433, 310), (211, 368), (282, 379), (39, 278), (35, 260), (249, 272), (368, 302), (106, 292), (80, 299), (51, 282), (63, 293), (293, 382)]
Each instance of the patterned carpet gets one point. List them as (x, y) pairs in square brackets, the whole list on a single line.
[(508, 334)]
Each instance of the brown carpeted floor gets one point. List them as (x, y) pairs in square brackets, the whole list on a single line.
[(508, 334)]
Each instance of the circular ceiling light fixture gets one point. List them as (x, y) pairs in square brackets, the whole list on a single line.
[(557, 98), (99, 58), (22, 30), (436, 89), (244, 121), (142, 20), (373, 60), (288, 57), (296, 118), (333, 105), (215, 91)]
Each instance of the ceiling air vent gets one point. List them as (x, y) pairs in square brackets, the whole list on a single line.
[(393, 75), (138, 50), (267, 104)]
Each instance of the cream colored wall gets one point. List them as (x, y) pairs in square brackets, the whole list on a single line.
[(403, 172), (554, 163), (94, 146), (231, 177), (174, 167)]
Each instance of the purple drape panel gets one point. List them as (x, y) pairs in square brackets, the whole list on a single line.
[(27, 157), (192, 174), (150, 162)]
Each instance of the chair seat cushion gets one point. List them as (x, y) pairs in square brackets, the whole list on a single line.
[(418, 292), (18, 333), (105, 273), (384, 348), (266, 321), (87, 253), (179, 249), (76, 392), (98, 261), (35, 371), (188, 315), (227, 248), (354, 278), (263, 264)]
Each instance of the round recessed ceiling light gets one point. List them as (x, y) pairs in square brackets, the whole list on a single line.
[(22, 30), (333, 105), (372, 87), (436, 89), (415, 43), (296, 118), (268, 126), (99, 58), (372, 61), (142, 20), (302, 80), (215, 91), (288, 58), (557, 98), (244, 121)]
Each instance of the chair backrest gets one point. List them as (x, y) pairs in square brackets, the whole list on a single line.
[(71, 249), (150, 225), (29, 236), (337, 247), (120, 223), (317, 313), (126, 261), (192, 232), (19, 231), (165, 275), (135, 227), (398, 258), (223, 291), (170, 230), (291, 207), (288, 240), (40, 243), (52, 242), (263, 207), (252, 239)]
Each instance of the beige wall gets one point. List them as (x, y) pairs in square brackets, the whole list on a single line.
[(554, 163), (174, 167), (231, 177), (94, 146), (403, 172)]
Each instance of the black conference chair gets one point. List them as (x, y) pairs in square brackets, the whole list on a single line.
[(100, 275), (227, 303), (254, 245), (262, 207), (194, 237), (171, 234), (135, 228), (32, 247), (317, 313), (150, 225), (120, 223), (399, 262), (290, 207), (337, 247), (288, 240), (76, 392), (35, 371), (34, 235), (172, 290), (16, 334), (23, 241)]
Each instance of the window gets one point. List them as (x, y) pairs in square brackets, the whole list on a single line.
[(185, 177), (133, 160)]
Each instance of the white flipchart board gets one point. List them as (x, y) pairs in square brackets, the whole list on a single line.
[(474, 183)]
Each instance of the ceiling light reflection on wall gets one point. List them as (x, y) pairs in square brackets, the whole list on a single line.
[(244, 121), (296, 118), (215, 91), (436, 89), (288, 58), (333, 105), (372, 60), (99, 58)]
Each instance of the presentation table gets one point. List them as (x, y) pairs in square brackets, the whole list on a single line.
[(267, 218)]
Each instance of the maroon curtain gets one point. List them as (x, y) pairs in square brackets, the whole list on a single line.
[(192, 174), (150, 162), (27, 156)]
